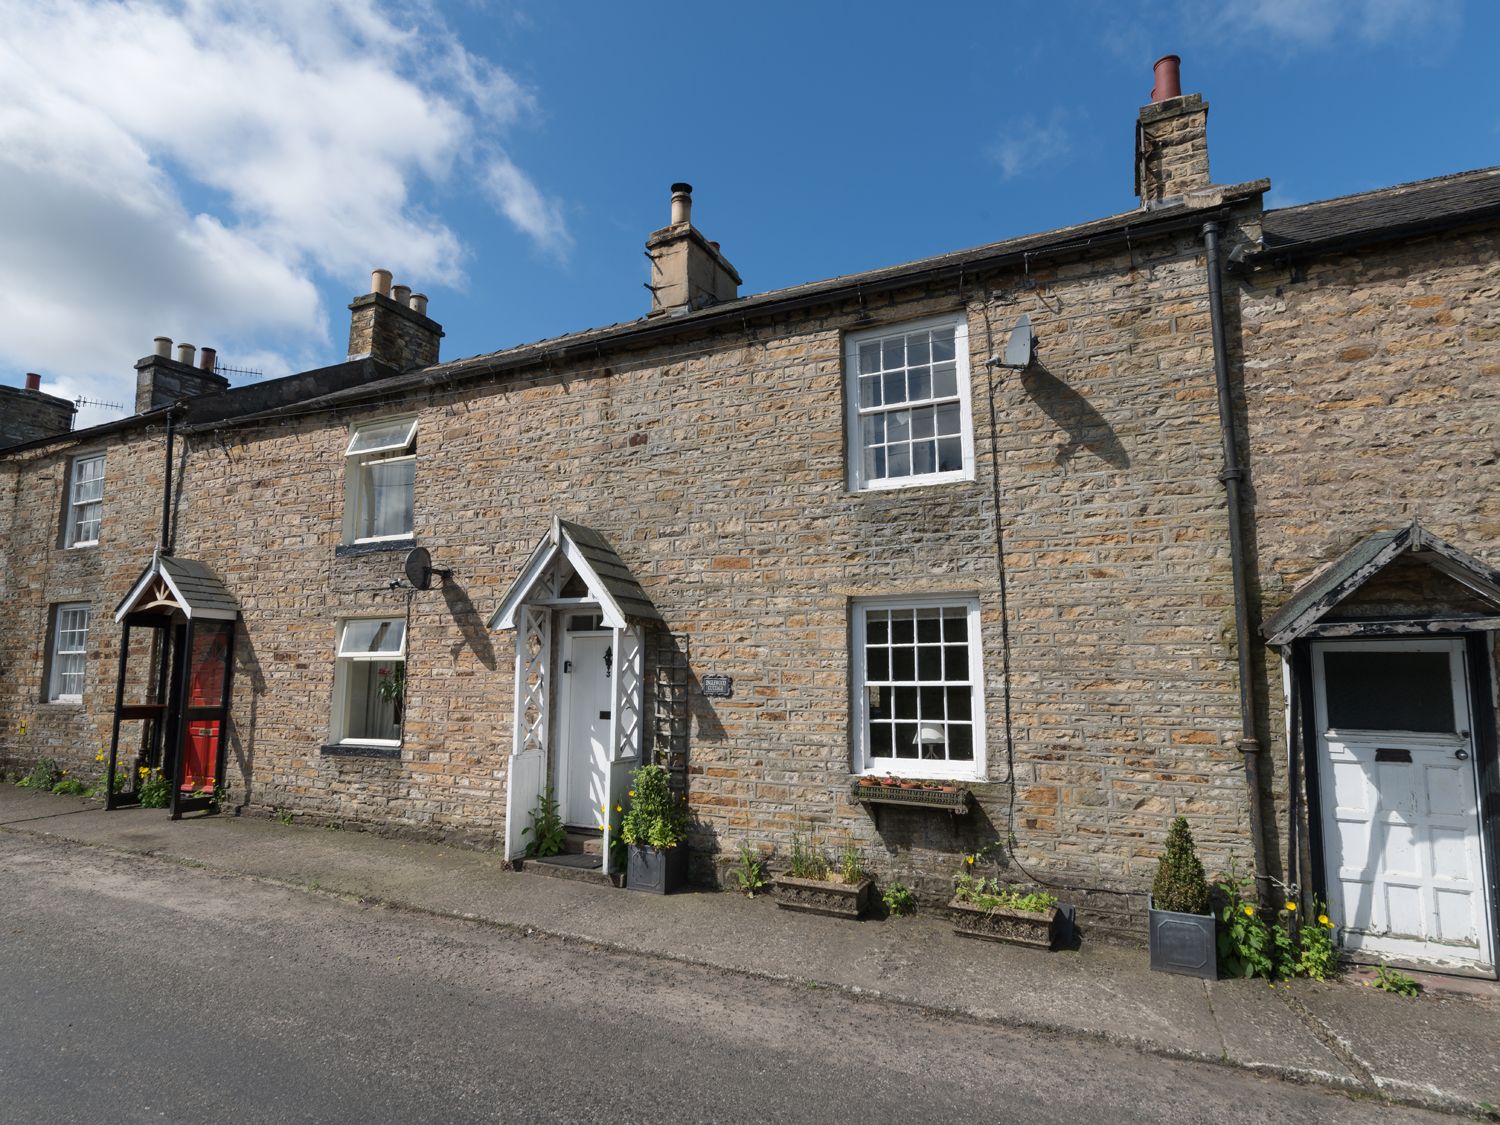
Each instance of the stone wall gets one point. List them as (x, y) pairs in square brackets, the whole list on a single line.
[(716, 468), (26, 415)]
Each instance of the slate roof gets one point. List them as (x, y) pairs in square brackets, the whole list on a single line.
[(195, 583), (605, 573), (1340, 578), (1374, 216)]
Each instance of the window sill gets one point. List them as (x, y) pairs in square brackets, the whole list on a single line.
[(905, 484), (81, 546), (355, 750), (70, 702), (374, 546)]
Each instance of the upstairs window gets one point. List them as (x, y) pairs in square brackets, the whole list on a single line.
[(908, 394), (369, 681), (379, 480), (69, 653), (85, 500)]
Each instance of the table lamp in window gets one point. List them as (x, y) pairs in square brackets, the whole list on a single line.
[(930, 741)]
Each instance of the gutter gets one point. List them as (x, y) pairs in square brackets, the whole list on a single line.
[(1232, 476), (1355, 240)]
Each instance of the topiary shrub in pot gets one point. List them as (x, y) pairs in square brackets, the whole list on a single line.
[(1182, 925), (654, 829)]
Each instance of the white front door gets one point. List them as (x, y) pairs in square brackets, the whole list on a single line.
[(583, 758), (1401, 834)]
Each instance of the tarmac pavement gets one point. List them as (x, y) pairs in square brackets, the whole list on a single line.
[(1440, 1051)]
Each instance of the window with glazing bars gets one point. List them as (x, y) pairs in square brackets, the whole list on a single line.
[(85, 500), (70, 640)]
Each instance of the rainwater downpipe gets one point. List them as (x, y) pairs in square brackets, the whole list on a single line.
[(166, 483), (1232, 475)]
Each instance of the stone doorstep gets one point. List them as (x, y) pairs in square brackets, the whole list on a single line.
[(584, 842), (576, 866)]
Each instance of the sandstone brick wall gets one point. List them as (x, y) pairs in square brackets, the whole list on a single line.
[(716, 467), (1372, 395), (41, 573)]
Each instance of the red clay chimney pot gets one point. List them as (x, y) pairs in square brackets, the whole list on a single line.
[(33, 381), (1168, 70)]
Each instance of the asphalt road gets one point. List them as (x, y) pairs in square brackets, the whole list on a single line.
[(133, 989)]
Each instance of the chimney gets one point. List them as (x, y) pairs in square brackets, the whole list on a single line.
[(26, 415), (687, 271), (390, 325), (161, 380), (1171, 140)]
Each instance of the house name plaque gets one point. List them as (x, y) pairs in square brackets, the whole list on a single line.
[(717, 687)]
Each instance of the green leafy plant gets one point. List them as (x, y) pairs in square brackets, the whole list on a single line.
[(851, 864), (43, 775), (1249, 945), (989, 893), (1318, 957), (154, 790), (390, 685), (807, 861), (71, 787), (656, 816), (1180, 885), (899, 900), (751, 872), (1392, 980), (548, 836)]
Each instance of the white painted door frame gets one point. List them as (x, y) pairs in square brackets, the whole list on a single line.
[(1403, 841)]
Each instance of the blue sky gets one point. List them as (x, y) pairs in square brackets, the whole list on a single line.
[(228, 171)]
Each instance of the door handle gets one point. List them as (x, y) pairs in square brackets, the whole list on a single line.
[(1461, 755)]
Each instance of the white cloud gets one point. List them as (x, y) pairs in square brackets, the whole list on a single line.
[(1317, 23), (195, 168), (1031, 142)]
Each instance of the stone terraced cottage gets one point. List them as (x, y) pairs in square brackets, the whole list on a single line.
[(1214, 536)]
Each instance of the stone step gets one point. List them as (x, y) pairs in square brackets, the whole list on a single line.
[(583, 842), (579, 868)]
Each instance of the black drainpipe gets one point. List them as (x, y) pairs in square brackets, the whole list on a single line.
[(166, 485), (1232, 475)]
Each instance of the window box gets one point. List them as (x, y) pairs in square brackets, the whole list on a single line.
[(820, 896), (942, 797), (1001, 923)]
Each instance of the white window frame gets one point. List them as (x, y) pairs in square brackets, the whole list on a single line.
[(854, 413), (343, 688), (56, 652), (355, 464), (75, 506), (865, 762)]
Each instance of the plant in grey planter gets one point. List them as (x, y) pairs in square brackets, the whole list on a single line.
[(813, 886), (654, 829), (989, 909), (1182, 925)]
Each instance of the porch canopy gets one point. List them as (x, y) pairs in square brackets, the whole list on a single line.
[(573, 568), (1405, 581), (182, 696)]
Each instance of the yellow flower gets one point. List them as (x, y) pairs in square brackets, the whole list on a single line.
[(619, 808), (631, 793), (969, 860), (1291, 906), (1249, 910), (1323, 920)]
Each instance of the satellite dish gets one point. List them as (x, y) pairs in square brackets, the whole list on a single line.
[(1021, 346), (418, 567)]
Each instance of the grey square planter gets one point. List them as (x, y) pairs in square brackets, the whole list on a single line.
[(1183, 943), (657, 871)]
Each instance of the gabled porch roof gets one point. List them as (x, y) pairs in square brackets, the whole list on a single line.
[(169, 583), (1320, 594), (608, 579)]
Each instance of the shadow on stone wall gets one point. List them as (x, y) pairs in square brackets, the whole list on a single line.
[(1085, 427), (242, 737), (475, 636)]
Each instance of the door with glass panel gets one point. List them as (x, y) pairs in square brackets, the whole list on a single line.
[(1399, 795)]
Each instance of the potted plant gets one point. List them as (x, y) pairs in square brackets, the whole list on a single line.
[(654, 829), (1182, 925), (813, 886), (984, 907)]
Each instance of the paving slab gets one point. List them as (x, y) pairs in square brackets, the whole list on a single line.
[(1436, 1051)]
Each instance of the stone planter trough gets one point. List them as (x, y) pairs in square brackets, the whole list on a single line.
[(818, 896), (1000, 923)]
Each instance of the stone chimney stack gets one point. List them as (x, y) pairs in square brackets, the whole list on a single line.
[(1171, 140), (161, 380), (390, 325), (687, 271), (28, 414)]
